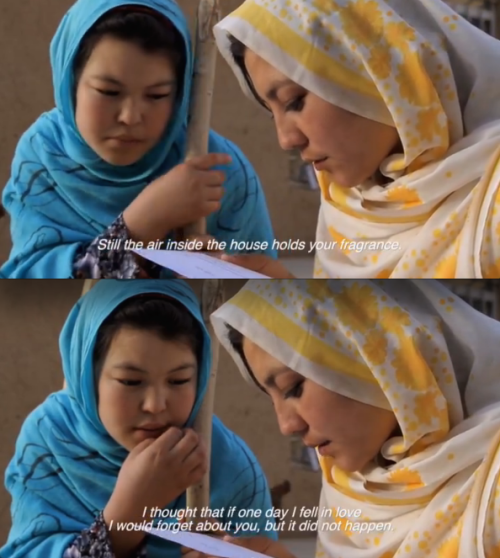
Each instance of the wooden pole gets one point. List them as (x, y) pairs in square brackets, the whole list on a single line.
[(198, 496), (202, 92)]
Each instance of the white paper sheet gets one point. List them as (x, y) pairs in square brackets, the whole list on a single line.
[(198, 265), (206, 544)]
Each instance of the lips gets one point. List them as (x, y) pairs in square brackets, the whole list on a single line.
[(321, 164), (152, 427), (316, 444), (149, 431), (323, 448)]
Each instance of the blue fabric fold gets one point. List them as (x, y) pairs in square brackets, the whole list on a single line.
[(65, 465)]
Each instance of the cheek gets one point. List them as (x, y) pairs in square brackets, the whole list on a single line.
[(314, 411), (158, 117), (183, 403), (319, 131), (116, 406), (92, 114)]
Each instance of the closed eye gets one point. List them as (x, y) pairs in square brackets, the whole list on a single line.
[(108, 92), (179, 382), (135, 383), (296, 105), (157, 96), (130, 383), (296, 391), (112, 93)]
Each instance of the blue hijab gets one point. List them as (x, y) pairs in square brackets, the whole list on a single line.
[(62, 195), (66, 465)]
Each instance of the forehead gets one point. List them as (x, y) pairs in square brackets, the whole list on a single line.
[(144, 343), (262, 364), (260, 70), (117, 56)]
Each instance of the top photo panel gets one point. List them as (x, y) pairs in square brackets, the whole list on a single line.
[(247, 139)]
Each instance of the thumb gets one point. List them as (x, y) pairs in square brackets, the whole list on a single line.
[(141, 446)]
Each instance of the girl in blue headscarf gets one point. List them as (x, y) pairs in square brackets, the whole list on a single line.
[(117, 443), (106, 165)]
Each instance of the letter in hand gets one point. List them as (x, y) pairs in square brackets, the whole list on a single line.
[(260, 264), (260, 544)]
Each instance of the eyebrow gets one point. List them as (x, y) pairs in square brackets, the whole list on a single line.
[(270, 380), (130, 367), (272, 92), (113, 81)]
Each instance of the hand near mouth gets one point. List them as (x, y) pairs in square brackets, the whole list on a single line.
[(156, 472)]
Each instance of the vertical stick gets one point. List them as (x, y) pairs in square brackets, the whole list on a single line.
[(88, 284), (198, 496), (202, 91)]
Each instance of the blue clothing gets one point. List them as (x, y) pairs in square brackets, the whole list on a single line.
[(66, 464), (61, 194)]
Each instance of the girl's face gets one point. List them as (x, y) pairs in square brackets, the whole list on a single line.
[(350, 432), (146, 385), (352, 147), (124, 100)]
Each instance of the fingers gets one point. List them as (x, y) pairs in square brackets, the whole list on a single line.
[(206, 162), (213, 178), (214, 193), (190, 553), (205, 243), (203, 238), (143, 445), (196, 463), (169, 439), (187, 444)]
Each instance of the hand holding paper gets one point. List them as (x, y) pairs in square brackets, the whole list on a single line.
[(197, 265), (205, 546), (202, 265)]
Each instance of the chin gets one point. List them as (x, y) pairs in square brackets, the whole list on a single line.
[(345, 179), (350, 465), (120, 160)]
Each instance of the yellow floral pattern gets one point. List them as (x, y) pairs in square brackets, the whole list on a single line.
[(390, 61), (377, 342)]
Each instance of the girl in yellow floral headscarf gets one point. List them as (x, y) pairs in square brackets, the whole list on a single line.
[(396, 104), (397, 384)]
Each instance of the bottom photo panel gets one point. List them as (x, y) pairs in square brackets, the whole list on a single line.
[(241, 419)]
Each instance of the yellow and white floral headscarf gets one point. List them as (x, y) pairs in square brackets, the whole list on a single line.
[(415, 65), (414, 348)]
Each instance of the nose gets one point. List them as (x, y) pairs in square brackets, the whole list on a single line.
[(155, 401), (130, 112), (289, 135), (289, 420)]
